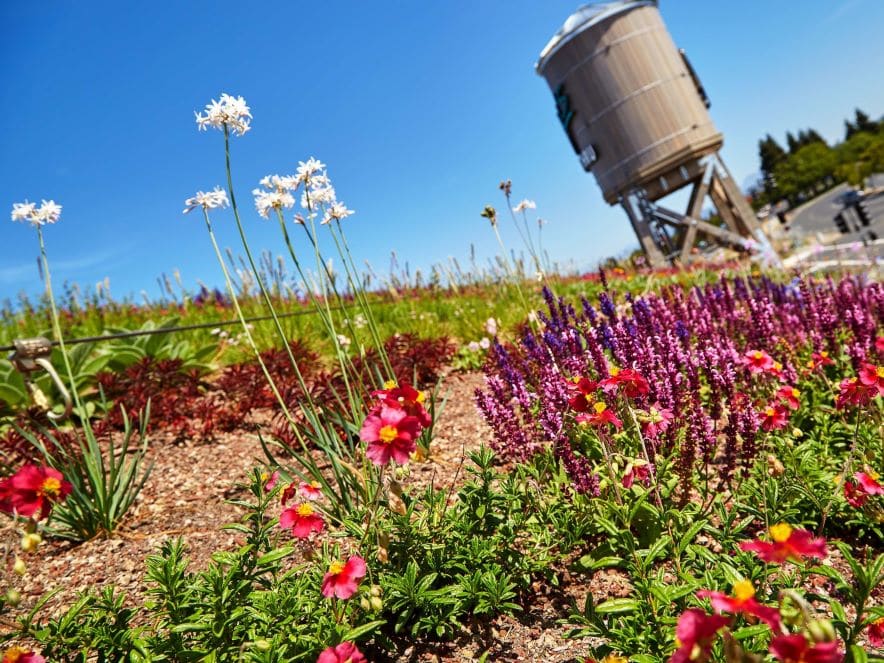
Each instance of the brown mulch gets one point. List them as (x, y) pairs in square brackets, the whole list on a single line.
[(186, 495)]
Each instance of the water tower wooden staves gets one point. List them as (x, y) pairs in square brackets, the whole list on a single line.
[(637, 117)]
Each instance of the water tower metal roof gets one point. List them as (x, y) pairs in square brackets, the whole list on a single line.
[(585, 17)]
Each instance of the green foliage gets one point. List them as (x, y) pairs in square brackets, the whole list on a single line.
[(104, 483)]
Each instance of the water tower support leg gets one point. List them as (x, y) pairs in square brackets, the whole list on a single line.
[(643, 231), (695, 208)]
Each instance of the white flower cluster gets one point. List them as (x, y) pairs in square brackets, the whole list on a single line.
[(525, 204), (227, 111), (317, 193), (217, 197), (48, 212)]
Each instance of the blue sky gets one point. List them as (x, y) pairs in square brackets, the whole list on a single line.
[(418, 108)]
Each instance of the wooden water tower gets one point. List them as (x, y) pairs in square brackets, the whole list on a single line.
[(637, 117)]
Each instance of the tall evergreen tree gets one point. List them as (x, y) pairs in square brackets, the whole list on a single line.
[(771, 154), (792, 142), (864, 122)]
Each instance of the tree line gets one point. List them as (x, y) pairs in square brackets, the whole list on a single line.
[(808, 164)]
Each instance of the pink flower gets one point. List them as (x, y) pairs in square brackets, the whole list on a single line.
[(302, 519), (872, 376), (789, 396), (599, 416), (788, 544), (310, 491), (876, 628), (743, 601), (796, 649), (637, 470), (630, 382), (854, 392), (773, 417), (269, 480), (655, 421), (33, 490), (346, 652), (819, 359), (758, 361), (406, 397), (863, 485), (879, 345), (390, 433), (694, 635), (342, 579), (21, 655)]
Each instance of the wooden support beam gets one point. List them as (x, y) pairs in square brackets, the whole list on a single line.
[(643, 232)]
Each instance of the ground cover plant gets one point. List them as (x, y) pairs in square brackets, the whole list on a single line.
[(713, 443)]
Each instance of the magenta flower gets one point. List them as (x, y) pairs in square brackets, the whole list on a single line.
[(774, 417), (33, 490), (390, 433), (406, 397), (302, 519), (694, 635), (796, 649), (342, 580), (788, 544), (655, 421), (790, 396), (346, 652), (758, 361)]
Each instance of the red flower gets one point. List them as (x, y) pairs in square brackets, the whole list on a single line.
[(302, 519), (789, 396), (33, 490), (788, 544), (582, 394), (390, 433), (343, 579), (863, 485), (346, 652), (600, 416), (872, 376), (796, 649), (743, 601), (631, 382), (637, 470), (694, 634), (269, 480), (773, 417), (854, 392), (406, 397), (655, 421), (758, 361), (876, 628), (820, 359), (21, 655), (879, 345), (310, 491)]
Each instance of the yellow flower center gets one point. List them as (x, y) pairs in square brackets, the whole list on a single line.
[(336, 567), (421, 397), (615, 658), (824, 354), (305, 510), (795, 393), (770, 412), (13, 654), (264, 477), (777, 366), (743, 590), (758, 354), (388, 434), (614, 371), (874, 476), (315, 484), (810, 364), (390, 384), (50, 487), (880, 371), (781, 532), (600, 407)]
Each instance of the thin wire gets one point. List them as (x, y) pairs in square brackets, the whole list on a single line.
[(193, 327)]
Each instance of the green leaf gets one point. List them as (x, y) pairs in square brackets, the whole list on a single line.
[(616, 606), (355, 634), (750, 631)]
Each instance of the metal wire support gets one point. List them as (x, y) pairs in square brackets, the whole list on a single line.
[(31, 355)]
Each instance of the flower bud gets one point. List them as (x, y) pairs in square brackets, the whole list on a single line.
[(364, 604), (797, 432), (376, 604), (821, 630), (376, 590), (12, 597), (20, 568), (775, 467), (29, 542)]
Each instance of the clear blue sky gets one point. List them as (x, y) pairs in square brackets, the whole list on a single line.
[(418, 108)]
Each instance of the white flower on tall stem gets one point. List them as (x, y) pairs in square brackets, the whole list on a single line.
[(227, 111), (270, 200), (491, 326), (336, 211), (215, 198), (315, 197), (280, 182), (48, 212), (525, 204), (307, 169)]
